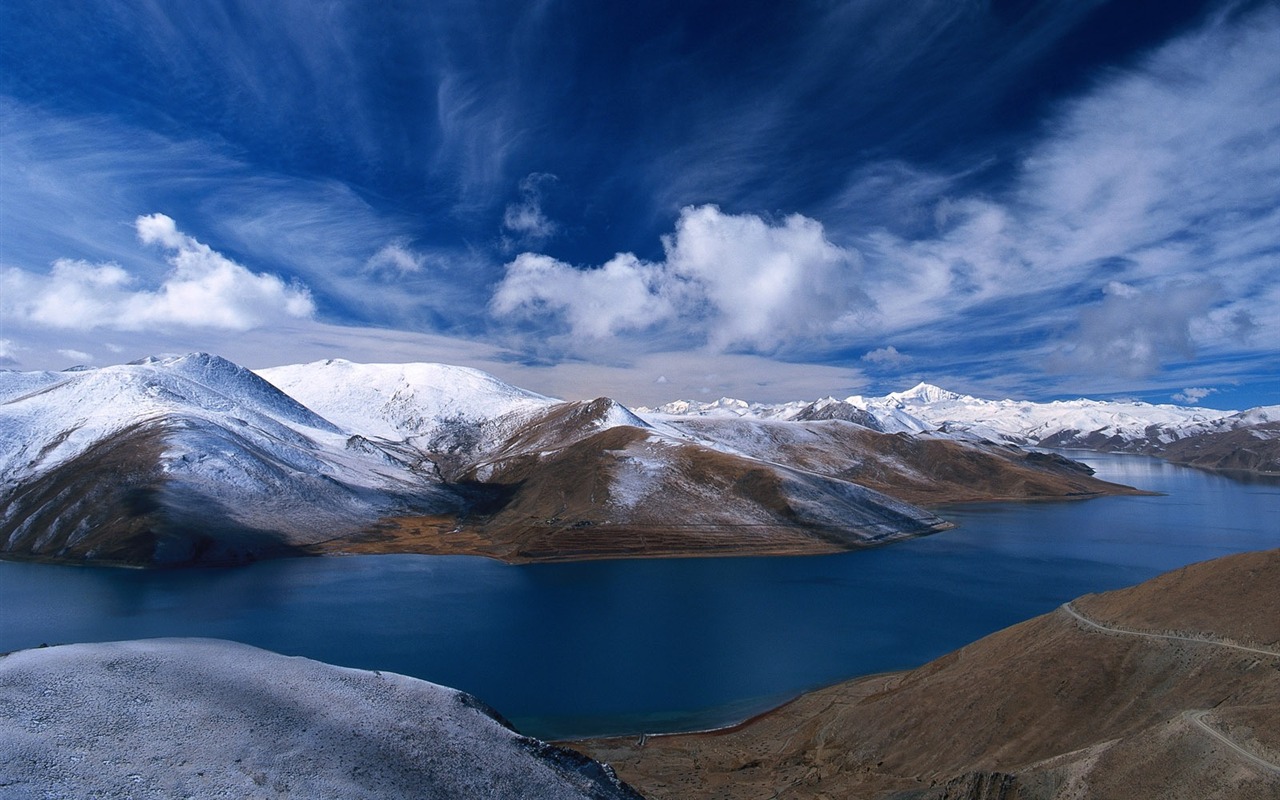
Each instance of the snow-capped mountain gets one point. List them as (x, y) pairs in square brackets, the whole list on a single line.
[(196, 459), (399, 402), (1185, 434), (928, 408), (190, 446)]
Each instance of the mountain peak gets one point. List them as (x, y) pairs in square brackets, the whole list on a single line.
[(926, 393)]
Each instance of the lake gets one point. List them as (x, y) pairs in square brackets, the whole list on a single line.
[(567, 650)]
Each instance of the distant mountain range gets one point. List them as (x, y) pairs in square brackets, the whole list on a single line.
[(194, 459), (1202, 437)]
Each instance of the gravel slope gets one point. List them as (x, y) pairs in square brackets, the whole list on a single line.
[(200, 718)]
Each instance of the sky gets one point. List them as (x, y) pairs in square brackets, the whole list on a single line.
[(659, 200)]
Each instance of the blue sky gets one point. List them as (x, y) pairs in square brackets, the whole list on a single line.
[(655, 200)]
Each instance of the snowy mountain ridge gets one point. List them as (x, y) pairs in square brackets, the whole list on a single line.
[(926, 408), (67, 412), (194, 459), (189, 443), (401, 401)]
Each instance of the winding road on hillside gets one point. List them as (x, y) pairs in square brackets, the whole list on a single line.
[(1196, 718)]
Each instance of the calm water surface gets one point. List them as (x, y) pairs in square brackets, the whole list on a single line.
[(669, 644)]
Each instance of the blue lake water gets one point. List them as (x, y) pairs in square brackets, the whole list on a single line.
[(665, 644)]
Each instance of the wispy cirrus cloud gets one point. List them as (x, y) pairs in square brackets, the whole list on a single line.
[(73, 182), (524, 221)]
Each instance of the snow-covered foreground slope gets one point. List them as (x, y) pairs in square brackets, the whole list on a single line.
[(201, 718)]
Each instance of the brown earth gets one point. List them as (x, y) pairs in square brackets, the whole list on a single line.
[(799, 488), (567, 483), (1254, 449), (921, 470), (107, 505), (569, 504), (1055, 707)]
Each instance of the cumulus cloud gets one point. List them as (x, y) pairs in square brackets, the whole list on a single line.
[(625, 294), (1193, 394), (886, 357), (203, 289), (768, 285), (732, 281)]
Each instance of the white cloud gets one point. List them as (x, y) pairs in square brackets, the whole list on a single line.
[(1160, 179), (1193, 394), (203, 289), (734, 281), (1154, 191), (160, 229), (886, 356), (767, 285), (526, 219), (625, 294), (78, 356), (396, 259), (8, 353), (1133, 331)]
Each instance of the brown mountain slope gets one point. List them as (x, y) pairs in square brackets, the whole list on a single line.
[(1255, 448), (919, 470), (558, 482), (622, 491), (1170, 689), (591, 480), (116, 504)]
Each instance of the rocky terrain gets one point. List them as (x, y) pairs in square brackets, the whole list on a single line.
[(921, 469), (196, 460), (1247, 448), (1169, 689), (203, 718)]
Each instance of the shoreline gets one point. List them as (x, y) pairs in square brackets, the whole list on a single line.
[(736, 727)]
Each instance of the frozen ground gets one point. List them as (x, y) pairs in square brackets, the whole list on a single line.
[(201, 718)]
